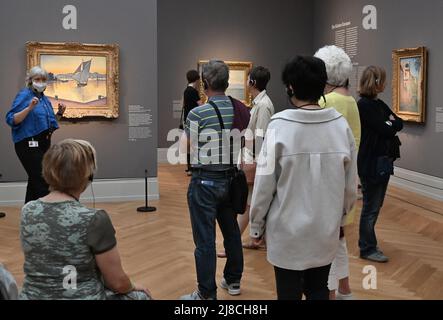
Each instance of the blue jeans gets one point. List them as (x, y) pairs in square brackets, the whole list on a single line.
[(373, 198), (209, 201)]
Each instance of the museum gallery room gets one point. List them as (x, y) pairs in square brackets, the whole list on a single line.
[(221, 150)]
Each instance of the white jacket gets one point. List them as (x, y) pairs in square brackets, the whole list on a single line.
[(301, 203), (261, 114)]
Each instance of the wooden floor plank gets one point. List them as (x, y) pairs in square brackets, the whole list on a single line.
[(157, 249)]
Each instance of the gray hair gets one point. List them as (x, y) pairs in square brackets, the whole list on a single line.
[(216, 73), (338, 64), (35, 72)]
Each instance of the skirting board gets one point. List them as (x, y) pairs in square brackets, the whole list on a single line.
[(419, 183), (13, 194), (425, 185)]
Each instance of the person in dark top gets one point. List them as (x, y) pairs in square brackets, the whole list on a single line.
[(191, 96), (379, 149), (191, 100)]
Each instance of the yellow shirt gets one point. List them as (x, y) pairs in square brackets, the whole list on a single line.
[(347, 106)]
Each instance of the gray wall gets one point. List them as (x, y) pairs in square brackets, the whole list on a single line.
[(401, 24), (263, 32), (133, 25)]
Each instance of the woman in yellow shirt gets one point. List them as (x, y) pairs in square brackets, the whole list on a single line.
[(337, 96), (340, 99)]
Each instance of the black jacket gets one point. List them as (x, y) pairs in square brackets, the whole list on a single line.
[(378, 137), (190, 101)]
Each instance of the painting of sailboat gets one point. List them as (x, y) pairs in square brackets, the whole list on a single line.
[(84, 77), (76, 79), (81, 75)]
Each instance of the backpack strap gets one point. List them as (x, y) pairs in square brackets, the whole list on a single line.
[(222, 126)]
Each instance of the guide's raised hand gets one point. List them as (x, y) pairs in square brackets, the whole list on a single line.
[(33, 103), (61, 109)]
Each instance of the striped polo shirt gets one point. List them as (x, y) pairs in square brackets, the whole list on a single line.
[(203, 122)]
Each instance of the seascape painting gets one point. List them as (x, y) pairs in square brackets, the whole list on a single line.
[(84, 77)]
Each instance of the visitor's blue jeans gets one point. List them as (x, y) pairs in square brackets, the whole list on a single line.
[(373, 198), (209, 201)]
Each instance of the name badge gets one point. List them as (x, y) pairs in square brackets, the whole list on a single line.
[(33, 144)]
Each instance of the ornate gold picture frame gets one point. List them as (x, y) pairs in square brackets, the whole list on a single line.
[(238, 80), (85, 77), (409, 83)]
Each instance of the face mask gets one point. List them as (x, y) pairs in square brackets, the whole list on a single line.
[(39, 86)]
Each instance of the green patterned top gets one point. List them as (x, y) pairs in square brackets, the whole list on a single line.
[(60, 241)]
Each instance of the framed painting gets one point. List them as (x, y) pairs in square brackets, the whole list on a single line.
[(85, 77), (238, 80), (409, 83)]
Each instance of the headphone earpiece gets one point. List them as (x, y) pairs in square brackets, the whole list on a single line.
[(205, 82), (290, 92), (92, 156)]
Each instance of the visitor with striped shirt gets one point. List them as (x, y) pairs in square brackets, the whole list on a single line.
[(209, 190)]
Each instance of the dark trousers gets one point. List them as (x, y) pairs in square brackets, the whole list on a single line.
[(209, 201), (373, 198), (292, 284), (31, 159)]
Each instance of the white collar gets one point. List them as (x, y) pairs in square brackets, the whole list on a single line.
[(259, 97), (308, 116)]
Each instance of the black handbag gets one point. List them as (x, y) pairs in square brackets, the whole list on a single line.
[(384, 169), (394, 148), (239, 184), (384, 165)]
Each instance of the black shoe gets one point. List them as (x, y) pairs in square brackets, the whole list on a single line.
[(2, 215)]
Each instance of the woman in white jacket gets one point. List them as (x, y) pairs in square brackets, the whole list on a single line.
[(306, 182)]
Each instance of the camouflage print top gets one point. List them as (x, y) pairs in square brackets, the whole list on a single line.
[(60, 241)]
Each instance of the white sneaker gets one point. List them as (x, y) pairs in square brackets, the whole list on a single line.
[(194, 296), (341, 296), (233, 288)]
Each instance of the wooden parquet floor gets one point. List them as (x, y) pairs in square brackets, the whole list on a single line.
[(157, 249)]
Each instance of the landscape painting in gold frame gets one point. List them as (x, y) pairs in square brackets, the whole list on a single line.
[(409, 83), (238, 81), (85, 77)]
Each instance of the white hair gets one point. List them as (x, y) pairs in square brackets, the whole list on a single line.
[(35, 72), (338, 64)]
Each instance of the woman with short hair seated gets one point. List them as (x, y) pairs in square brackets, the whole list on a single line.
[(71, 250)]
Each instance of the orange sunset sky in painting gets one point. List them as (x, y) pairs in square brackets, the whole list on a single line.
[(68, 64)]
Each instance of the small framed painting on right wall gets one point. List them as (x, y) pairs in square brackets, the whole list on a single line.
[(409, 83)]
